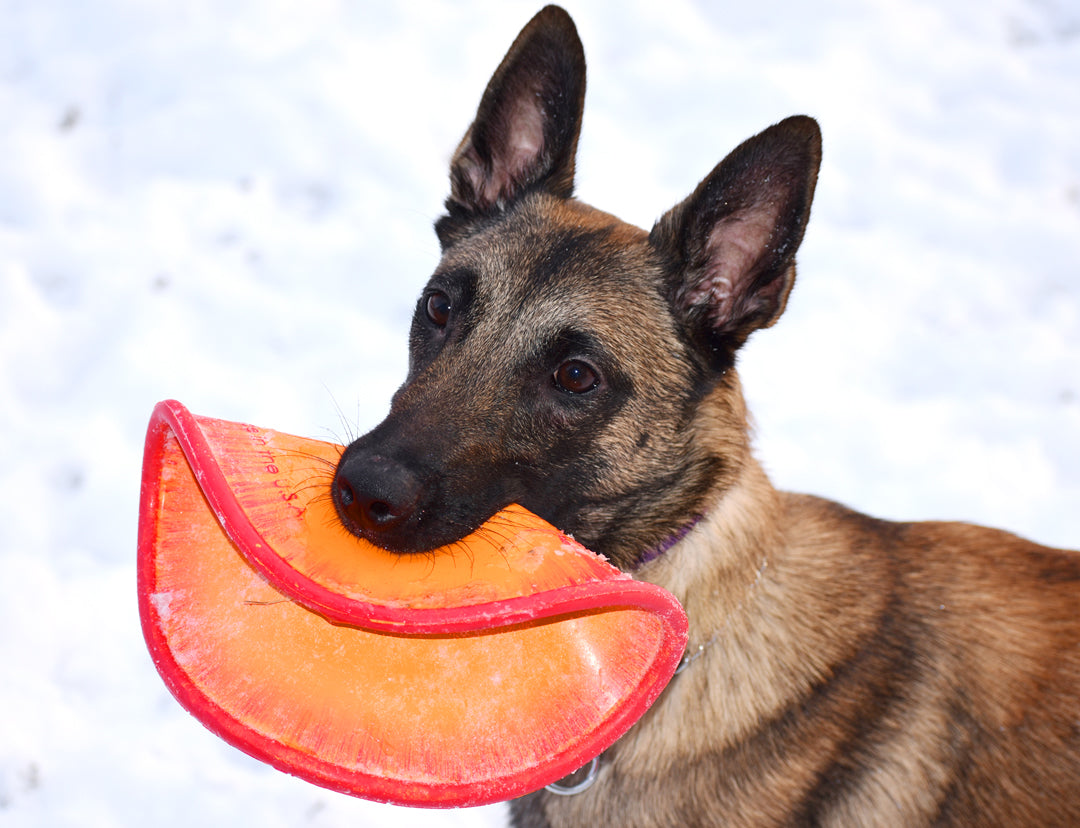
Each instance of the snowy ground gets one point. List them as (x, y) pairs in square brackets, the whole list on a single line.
[(230, 204)]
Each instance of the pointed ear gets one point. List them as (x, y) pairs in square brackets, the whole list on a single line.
[(526, 129), (731, 245)]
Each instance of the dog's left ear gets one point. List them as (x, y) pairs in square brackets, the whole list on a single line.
[(731, 244), (526, 129)]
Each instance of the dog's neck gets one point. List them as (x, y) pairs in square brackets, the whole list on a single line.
[(729, 548)]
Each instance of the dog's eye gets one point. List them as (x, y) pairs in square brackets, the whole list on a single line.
[(437, 308), (576, 376)]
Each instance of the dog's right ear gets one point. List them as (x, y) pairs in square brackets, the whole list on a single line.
[(526, 129), (730, 246)]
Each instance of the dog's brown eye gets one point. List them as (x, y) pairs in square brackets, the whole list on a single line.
[(438, 308), (576, 376)]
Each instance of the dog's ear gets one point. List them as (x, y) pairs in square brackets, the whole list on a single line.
[(526, 129), (731, 244)]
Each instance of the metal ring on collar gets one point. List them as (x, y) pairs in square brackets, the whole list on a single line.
[(563, 789)]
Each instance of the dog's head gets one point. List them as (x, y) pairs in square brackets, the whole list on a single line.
[(559, 357)]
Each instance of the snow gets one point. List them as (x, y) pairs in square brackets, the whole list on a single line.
[(230, 205)]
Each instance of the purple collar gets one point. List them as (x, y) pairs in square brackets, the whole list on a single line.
[(669, 541)]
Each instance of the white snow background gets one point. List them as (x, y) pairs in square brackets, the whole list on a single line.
[(231, 204)]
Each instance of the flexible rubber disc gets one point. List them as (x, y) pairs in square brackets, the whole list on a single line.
[(467, 675)]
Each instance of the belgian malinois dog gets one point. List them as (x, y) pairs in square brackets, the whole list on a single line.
[(842, 670)]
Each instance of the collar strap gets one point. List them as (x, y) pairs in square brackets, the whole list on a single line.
[(670, 541)]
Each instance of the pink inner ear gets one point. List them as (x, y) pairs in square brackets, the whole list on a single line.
[(514, 154), (734, 247)]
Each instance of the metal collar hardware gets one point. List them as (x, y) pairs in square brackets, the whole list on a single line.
[(580, 780)]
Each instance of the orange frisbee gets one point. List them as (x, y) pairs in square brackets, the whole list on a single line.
[(471, 674)]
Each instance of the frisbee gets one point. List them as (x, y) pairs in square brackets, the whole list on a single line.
[(470, 674)]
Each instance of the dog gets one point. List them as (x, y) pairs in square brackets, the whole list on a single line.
[(842, 670)]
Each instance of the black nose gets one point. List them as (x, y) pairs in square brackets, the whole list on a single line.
[(374, 494)]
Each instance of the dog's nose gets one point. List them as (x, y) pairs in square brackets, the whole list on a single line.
[(374, 494)]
